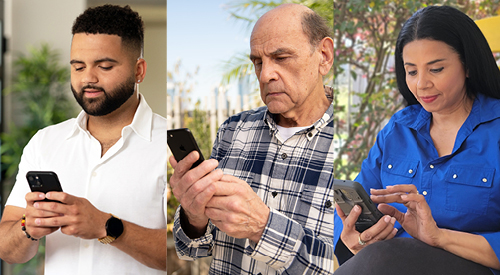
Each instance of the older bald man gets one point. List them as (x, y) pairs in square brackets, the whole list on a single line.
[(268, 207)]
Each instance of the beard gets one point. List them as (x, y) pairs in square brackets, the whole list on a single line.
[(112, 100)]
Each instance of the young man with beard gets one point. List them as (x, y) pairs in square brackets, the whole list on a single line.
[(110, 160)]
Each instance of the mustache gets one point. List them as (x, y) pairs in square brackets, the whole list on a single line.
[(88, 86)]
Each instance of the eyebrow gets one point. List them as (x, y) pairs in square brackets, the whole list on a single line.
[(106, 59), (428, 63), (281, 51), (275, 53)]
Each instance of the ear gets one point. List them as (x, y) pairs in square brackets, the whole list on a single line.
[(140, 70), (326, 48)]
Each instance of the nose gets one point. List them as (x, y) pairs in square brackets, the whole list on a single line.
[(268, 72), (422, 81), (89, 76)]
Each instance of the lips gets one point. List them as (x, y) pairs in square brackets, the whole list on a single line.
[(92, 93), (428, 99)]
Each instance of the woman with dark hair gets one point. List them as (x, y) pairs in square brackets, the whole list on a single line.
[(433, 168)]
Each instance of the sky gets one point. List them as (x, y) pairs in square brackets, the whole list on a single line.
[(201, 33)]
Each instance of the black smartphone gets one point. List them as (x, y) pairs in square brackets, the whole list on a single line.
[(181, 142), (347, 194), (43, 181)]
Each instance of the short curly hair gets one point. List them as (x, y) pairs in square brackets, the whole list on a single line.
[(114, 20)]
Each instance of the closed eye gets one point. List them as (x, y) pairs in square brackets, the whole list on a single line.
[(107, 68), (412, 73), (437, 70)]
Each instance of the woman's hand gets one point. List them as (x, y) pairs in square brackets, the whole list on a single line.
[(417, 220), (354, 240)]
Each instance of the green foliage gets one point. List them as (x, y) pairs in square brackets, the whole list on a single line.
[(365, 34), (41, 85)]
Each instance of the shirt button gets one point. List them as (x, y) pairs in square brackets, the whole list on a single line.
[(410, 171), (431, 166), (424, 193), (389, 166), (274, 193), (455, 176), (485, 179), (328, 204), (284, 156), (309, 134)]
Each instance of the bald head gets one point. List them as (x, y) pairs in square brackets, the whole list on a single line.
[(298, 18)]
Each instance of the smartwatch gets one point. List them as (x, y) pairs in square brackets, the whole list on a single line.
[(114, 228)]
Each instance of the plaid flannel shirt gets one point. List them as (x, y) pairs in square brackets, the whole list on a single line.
[(294, 178)]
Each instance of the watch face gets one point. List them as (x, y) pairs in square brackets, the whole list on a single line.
[(114, 227)]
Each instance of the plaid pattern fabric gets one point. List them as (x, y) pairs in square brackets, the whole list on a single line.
[(294, 178)]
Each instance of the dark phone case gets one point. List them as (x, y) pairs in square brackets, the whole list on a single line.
[(347, 194), (181, 142), (43, 181)]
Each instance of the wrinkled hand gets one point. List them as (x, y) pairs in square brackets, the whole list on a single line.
[(74, 215), (417, 220), (382, 230), (33, 213), (194, 188), (237, 210)]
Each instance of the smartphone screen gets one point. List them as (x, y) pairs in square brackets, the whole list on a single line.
[(181, 142)]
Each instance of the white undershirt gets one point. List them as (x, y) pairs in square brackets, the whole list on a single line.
[(286, 133)]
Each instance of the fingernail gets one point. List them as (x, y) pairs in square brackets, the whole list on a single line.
[(387, 219), (36, 205), (393, 220), (41, 195), (395, 230), (38, 222), (357, 208), (404, 196)]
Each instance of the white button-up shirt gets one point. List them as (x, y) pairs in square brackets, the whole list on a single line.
[(129, 181)]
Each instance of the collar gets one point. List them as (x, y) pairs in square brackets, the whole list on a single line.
[(142, 124), (315, 128), (484, 109)]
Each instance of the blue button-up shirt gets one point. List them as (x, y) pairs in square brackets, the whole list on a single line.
[(462, 189)]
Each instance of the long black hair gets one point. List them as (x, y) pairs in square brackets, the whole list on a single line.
[(456, 29)]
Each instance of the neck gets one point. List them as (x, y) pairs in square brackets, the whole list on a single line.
[(454, 118), (313, 109), (108, 128)]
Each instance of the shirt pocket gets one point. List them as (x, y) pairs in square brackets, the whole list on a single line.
[(399, 171), (317, 209), (468, 188)]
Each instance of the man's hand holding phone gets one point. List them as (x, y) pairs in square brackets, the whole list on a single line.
[(194, 188), (33, 213), (74, 215), (382, 230)]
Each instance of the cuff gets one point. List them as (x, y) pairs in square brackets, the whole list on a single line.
[(187, 248), (279, 243)]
